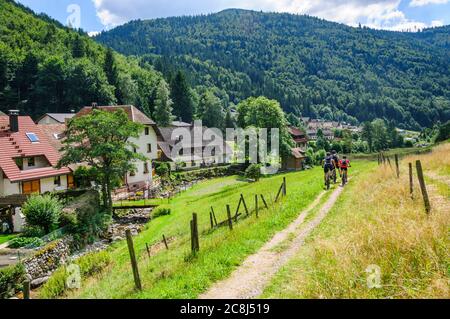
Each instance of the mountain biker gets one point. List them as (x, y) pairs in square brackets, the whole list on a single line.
[(336, 165), (328, 166), (344, 165)]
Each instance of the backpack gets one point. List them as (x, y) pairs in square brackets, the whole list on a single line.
[(344, 163), (328, 160)]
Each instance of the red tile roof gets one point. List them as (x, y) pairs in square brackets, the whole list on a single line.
[(17, 145)]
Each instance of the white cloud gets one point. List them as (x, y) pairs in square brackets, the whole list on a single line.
[(380, 14), (421, 3)]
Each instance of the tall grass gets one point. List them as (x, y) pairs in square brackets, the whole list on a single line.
[(376, 222)]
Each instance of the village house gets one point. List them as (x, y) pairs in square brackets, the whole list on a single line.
[(54, 118), (147, 144), (27, 160), (190, 156), (295, 161)]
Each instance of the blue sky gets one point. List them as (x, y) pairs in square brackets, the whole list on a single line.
[(97, 15)]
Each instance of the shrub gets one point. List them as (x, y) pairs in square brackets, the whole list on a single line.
[(20, 242), (253, 172), (11, 279), (163, 170), (161, 211), (42, 211), (69, 220), (33, 231), (90, 265)]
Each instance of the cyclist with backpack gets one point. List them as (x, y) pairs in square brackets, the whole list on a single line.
[(328, 166), (336, 165), (344, 165)]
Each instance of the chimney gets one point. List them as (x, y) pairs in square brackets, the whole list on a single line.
[(14, 121)]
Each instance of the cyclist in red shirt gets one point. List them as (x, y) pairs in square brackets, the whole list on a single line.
[(344, 165)]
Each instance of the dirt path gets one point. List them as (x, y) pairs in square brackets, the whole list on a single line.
[(250, 279)]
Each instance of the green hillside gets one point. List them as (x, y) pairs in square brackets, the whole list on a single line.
[(46, 67), (313, 67)]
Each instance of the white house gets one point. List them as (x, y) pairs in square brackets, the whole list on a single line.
[(147, 144), (27, 160)]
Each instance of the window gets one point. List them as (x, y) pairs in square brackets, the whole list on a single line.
[(31, 162), (149, 148), (132, 173), (32, 137), (146, 170), (57, 180), (147, 131)]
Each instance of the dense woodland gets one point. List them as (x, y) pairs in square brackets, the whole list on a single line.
[(46, 67), (312, 67)]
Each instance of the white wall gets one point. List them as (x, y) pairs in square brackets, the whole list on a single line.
[(39, 162), (48, 184), (141, 143), (10, 188)]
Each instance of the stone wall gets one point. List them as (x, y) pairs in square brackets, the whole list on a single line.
[(41, 265)]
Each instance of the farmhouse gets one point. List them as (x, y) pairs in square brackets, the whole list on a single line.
[(27, 160), (54, 118), (189, 155), (147, 144)]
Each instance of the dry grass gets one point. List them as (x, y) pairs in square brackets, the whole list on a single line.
[(376, 223)]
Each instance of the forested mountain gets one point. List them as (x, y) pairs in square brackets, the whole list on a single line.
[(313, 67), (46, 67)]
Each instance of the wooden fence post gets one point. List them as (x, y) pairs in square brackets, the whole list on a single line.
[(279, 193), (256, 205), (211, 219), (230, 221), (194, 234), (264, 201), (245, 205), (134, 264), (284, 186), (423, 187), (148, 250), (389, 161), (214, 215), (411, 180), (26, 289), (165, 242), (397, 165)]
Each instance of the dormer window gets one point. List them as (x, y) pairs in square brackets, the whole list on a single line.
[(33, 137), (31, 162)]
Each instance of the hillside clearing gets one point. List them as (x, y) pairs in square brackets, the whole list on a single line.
[(175, 273)]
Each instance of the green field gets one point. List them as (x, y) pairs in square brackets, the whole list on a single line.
[(6, 238), (176, 273)]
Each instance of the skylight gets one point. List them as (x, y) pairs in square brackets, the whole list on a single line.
[(32, 137)]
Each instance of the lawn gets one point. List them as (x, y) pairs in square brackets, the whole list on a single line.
[(6, 238), (375, 222), (176, 273)]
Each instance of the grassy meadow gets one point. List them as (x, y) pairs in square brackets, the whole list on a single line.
[(375, 222), (176, 273)]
